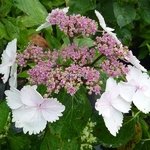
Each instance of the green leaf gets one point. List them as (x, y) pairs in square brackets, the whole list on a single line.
[(18, 142), (144, 9), (50, 141), (2, 31), (124, 14), (143, 145), (33, 8), (70, 144), (125, 134), (80, 6), (4, 112), (75, 117), (27, 21), (11, 29)]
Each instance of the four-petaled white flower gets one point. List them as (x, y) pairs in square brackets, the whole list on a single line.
[(47, 24), (8, 61), (107, 29), (30, 110), (134, 61), (111, 106), (136, 89)]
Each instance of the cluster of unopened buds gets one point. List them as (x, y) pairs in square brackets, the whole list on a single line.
[(70, 67), (87, 137)]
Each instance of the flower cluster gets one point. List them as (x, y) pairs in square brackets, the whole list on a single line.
[(72, 25), (70, 67)]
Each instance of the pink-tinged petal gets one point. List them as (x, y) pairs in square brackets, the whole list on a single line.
[(30, 119), (114, 122), (30, 97), (141, 102), (120, 104), (13, 98), (103, 105), (52, 109), (126, 91)]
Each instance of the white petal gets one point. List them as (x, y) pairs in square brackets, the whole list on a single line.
[(134, 61), (114, 122), (141, 102), (52, 109), (30, 97), (13, 76), (120, 104), (30, 119), (101, 19), (5, 70), (65, 10), (134, 73), (8, 59), (126, 91), (103, 105), (42, 26), (13, 98)]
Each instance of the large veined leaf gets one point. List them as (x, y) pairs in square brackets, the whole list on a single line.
[(125, 134), (76, 115), (144, 9), (33, 8), (124, 14), (4, 112)]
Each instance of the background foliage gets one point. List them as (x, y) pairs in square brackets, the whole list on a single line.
[(131, 21)]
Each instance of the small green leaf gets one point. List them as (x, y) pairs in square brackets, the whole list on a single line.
[(124, 14), (125, 134), (4, 112)]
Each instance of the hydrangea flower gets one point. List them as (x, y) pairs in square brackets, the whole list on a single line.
[(107, 29), (50, 18), (30, 110), (111, 106), (8, 61), (136, 89)]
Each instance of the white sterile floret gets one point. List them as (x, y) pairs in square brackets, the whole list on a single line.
[(107, 29), (136, 89), (111, 106), (9, 66), (31, 111)]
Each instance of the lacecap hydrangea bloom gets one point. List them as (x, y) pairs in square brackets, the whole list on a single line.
[(30, 110)]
